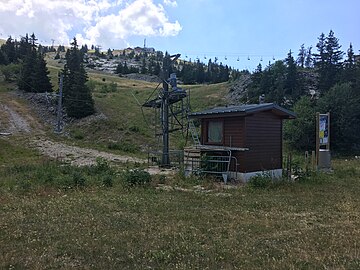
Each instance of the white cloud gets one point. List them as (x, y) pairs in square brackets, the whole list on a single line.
[(140, 18), (107, 22), (170, 3)]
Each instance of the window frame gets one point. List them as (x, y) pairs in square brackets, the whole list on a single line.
[(221, 121)]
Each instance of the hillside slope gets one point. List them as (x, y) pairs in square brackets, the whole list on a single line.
[(119, 126)]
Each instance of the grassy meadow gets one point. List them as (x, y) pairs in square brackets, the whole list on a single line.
[(50, 219)]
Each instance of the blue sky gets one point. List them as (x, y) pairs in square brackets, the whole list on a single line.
[(255, 29)]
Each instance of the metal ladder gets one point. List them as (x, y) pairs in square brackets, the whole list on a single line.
[(193, 132)]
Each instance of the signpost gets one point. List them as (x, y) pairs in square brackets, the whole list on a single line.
[(323, 140)]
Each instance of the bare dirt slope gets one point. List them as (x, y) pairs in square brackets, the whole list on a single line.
[(18, 119), (76, 155)]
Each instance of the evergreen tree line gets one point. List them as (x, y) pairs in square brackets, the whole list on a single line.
[(327, 80), (26, 61), (187, 71)]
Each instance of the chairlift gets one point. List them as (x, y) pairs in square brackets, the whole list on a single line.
[(204, 56), (186, 56), (261, 58), (225, 57), (238, 59), (248, 58), (273, 58)]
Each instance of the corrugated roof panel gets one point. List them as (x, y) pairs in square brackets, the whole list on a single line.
[(245, 108)]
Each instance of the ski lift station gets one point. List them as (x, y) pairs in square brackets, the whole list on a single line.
[(238, 141), (235, 142)]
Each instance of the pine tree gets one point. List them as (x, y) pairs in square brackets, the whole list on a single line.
[(309, 58), (254, 89), (41, 79), (157, 69), (200, 73), (350, 66), (3, 57), (292, 88), (119, 69), (34, 74), (320, 58), (143, 66), (9, 51), (77, 96), (301, 56), (27, 80), (125, 69), (328, 61)]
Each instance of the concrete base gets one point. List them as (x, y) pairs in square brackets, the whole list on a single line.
[(244, 177)]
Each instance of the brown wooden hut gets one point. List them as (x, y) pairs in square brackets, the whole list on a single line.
[(250, 135)]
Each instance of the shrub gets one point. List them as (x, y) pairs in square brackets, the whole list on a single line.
[(78, 179), (107, 180), (136, 177), (134, 129), (10, 71), (124, 146), (78, 134), (260, 181), (102, 166)]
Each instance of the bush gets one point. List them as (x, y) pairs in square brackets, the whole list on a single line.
[(260, 181), (78, 134), (104, 172), (107, 180), (136, 177), (102, 166), (78, 179), (10, 71), (124, 146), (134, 129)]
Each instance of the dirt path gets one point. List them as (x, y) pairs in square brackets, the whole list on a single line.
[(18, 118), (12, 122), (76, 155)]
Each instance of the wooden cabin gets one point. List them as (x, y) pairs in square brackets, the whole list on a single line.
[(250, 135)]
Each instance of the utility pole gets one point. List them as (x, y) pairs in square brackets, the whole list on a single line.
[(165, 161), (165, 119), (59, 112)]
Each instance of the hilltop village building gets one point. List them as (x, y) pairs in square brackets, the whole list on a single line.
[(239, 141)]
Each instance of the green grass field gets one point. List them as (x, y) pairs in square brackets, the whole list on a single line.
[(310, 224)]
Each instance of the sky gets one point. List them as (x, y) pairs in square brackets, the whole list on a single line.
[(239, 33)]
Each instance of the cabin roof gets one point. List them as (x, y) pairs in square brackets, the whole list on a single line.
[(243, 110)]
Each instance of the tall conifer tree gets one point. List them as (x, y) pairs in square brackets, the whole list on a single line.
[(77, 96)]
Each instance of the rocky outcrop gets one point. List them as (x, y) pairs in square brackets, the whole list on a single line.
[(142, 77), (238, 88)]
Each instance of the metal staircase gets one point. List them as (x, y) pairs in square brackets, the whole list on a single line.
[(194, 133)]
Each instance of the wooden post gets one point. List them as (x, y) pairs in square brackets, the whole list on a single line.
[(306, 161), (313, 160), (317, 138), (328, 143), (290, 167)]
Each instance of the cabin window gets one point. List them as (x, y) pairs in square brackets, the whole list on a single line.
[(215, 132)]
